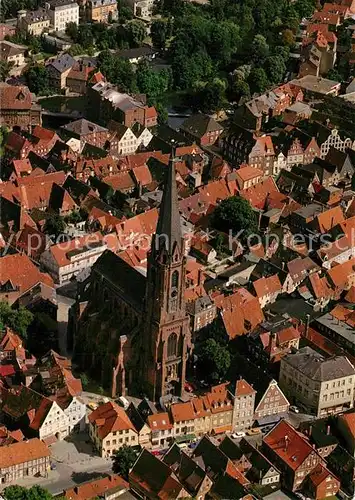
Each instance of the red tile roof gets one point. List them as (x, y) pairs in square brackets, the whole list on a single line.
[(142, 175), (25, 451), (35, 191), (320, 285), (22, 167), (341, 273), (329, 219), (7, 370), (15, 97), (247, 173), (243, 388), (159, 422), (320, 474), (326, 18), (22, 273), (265, 286), (349, 420), (122, 181), (182, 411), (151, 112), (241, 312), (110, 417), (96, 488), (290, 446), (61, 250), (258, 194)]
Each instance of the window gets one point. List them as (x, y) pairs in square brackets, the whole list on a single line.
[(172, 345), (175, 279)]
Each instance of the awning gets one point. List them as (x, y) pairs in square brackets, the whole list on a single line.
[(185, 438), (221, 430)]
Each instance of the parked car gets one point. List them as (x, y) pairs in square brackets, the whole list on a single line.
[(53, 466), (122, 401), (252, 432), (294, 409), (188, 387), (236, 435)]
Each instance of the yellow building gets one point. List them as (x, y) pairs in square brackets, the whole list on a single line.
[(12, 53), (102, 11), (110, 428), (34, 22)]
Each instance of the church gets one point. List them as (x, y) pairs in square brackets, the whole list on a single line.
[(132, 332)]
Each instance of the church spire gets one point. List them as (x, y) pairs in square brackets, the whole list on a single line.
[(168, 232)]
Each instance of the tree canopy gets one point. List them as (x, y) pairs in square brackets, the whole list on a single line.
[(123, 459), (37, 79), (36, 492), (16, 319), (214, 360), (54, 225), (235, 214)]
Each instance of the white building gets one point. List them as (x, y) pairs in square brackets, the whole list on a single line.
[(65, 260), (62, 12), (142, 8)]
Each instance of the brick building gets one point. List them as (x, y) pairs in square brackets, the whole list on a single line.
[(86, 131), (101, 11), (202, 128), (17, 108), (291, 453), (106, 102)]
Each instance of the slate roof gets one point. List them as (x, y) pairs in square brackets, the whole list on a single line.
[(155, 476), (83, 127), (122, 276), (64, 61), (198, 125), (313, 365), (169, 225), (189, 473)]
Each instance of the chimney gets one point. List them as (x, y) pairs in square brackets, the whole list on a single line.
[(286, 442)]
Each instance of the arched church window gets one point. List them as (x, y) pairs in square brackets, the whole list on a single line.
[(175, 279), (172, 345)]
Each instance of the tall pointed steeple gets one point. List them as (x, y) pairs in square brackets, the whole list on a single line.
[(168, 231), (166, 338)]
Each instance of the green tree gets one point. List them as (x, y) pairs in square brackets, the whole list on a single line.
[(36, 492), (76, 50), (259, 49), (123, 459), (159, 33), (210, 97), (235, 214), (37, 78), (5, 68), (214, 360), (72, 30), (162, 113), (258, 80), (118, 71), (240, 89), (16, 319), (125, 14), (136, 32), (275, 68), (288, 38), (152, 83), (54, 225)]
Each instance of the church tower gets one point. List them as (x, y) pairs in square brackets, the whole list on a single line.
[(166, 337)]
